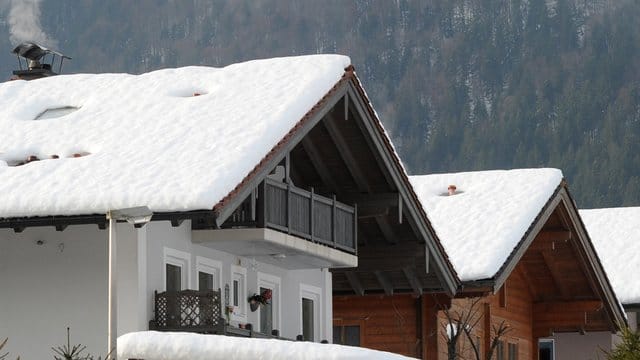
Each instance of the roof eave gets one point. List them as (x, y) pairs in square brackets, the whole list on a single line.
[(447, 274), (614, 308)]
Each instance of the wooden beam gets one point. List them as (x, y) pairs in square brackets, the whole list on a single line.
[(388, 263), (527, 280), (384, 281), (486, 325), (549, 261), (355, 283), (389, 199), (413, 280), (371, 212), (503, 295), (386, 230), (568, 306), (321, 168), (554, 235), (359, 175)]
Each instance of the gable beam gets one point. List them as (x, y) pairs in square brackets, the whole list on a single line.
[(355, 283), (413, 280), (316, 160), (554, 271), (359, 176), (384, 281), (561, 307)]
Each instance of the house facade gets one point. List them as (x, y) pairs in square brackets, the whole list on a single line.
[(529, 276), (262, 177)]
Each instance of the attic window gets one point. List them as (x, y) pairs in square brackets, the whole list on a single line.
[(56, 112)]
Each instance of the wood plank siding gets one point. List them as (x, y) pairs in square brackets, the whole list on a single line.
[(388, 323)]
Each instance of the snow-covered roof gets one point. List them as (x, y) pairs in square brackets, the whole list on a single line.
[(173, 140), (151, 345), (490, 212), (615, 233)]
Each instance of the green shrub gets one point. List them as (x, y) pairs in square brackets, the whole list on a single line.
[(628, 349)]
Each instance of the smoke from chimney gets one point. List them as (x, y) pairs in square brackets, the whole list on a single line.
[(24, 22)]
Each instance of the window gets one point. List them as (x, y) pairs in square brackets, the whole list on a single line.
[(308, 323), (177, 265), (500, 350), (513, 351), (173, 277), (238, 293), (310, 311), (266, 315), (346, 335), (205, 281), (209, 273), (269, 315), (546, 349)]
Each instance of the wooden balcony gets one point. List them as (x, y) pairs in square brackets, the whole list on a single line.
[(301, 213), (196, 311)]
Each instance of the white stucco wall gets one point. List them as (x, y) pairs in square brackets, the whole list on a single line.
[(587, 346), (63, 282)]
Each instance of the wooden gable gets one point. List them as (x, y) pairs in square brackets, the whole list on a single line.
[(340, 149)]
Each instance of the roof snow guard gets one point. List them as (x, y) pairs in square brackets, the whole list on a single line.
[(36, 62)]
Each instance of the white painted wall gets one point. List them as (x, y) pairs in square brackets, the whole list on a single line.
[(45, 288), (63, 282), (587, 346), (162, 234), (576, 346)]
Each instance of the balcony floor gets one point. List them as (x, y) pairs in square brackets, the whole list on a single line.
[(266, 245)]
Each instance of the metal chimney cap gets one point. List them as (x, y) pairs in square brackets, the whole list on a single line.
[(32, 51)]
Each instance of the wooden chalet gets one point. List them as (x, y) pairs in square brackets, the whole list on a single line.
[(545, 278)]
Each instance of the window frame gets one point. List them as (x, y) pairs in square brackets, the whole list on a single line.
[(180, 259), (240, 311), (212, 267), (275, 284), (553, 347), (312, 293), (343, 323)]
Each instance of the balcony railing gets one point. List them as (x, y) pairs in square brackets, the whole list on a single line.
[(196, 311), (302, 213)]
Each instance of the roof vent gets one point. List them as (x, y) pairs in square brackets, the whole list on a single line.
[(56, 112), (38, 61)]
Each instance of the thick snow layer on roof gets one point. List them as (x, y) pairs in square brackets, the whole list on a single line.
[(151, 345), (150, 140), (615, 233), (491, 211)]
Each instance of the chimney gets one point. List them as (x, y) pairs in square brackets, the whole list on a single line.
[(39, 61), (452, 190)]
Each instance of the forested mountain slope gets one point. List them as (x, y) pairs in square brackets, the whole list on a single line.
[(461, 85)]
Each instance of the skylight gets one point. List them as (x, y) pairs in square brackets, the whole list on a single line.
[(56, 112)]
